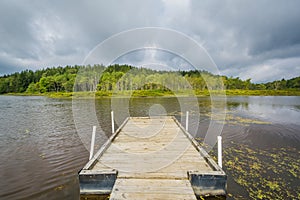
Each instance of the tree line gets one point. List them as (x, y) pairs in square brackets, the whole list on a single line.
[(125, 77)]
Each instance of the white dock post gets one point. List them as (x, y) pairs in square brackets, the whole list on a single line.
[(220, 151), (112, 122), (187, 121), (93, 142)]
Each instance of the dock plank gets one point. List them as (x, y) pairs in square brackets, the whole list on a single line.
[(167, 151), (152, 157), (141, 143), (152, 189)]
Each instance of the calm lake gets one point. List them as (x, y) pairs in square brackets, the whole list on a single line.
[(41, 150)]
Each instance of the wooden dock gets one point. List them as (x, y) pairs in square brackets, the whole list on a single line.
[(152, 158)]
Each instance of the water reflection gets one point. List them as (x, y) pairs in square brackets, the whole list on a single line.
[(274, 109)]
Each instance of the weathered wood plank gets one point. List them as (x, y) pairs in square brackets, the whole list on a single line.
[(170, 147), (155, 159), (152, 189)]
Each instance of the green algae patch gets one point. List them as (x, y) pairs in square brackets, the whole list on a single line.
[(232, 119), (237, 120), (264, 174)]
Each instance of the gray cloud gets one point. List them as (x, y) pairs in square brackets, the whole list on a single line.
[(150, 57), (259, 39)]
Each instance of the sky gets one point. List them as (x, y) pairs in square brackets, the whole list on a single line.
[(247, 39)]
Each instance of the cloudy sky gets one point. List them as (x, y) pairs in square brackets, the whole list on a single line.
[(249, 39)]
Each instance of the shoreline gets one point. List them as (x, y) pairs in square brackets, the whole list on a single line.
[(161, 94)]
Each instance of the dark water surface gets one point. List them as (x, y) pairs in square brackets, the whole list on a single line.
[(41, 150)]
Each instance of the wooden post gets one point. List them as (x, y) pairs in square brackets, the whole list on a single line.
[(112, 122), (93, 142), (187, 121), (220, 151)]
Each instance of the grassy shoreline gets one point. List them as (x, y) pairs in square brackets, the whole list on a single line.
[(158, 93)]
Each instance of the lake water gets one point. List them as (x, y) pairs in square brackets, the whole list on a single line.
[(42, 150)]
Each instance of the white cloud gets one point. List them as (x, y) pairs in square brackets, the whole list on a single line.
[(274, 69)]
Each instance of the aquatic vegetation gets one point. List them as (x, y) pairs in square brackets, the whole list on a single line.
[(273, 185), (233, 119), (94, 197), (61, 187), (264, 174)]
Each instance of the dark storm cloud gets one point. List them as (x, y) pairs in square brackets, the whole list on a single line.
[(275, 26), (242, 37), (14, 33)]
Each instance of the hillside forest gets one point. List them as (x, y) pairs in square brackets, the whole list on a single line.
[(125, 78)]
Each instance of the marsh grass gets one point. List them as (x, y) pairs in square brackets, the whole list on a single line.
[(162, 93)]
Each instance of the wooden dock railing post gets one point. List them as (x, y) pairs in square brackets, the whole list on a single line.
[(112, 122), (220, 151), (93, 142), (187, 121)]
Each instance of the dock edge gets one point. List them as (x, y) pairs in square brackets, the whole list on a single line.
[(205, 183)]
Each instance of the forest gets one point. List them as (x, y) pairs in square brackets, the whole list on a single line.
[(129, 78)]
